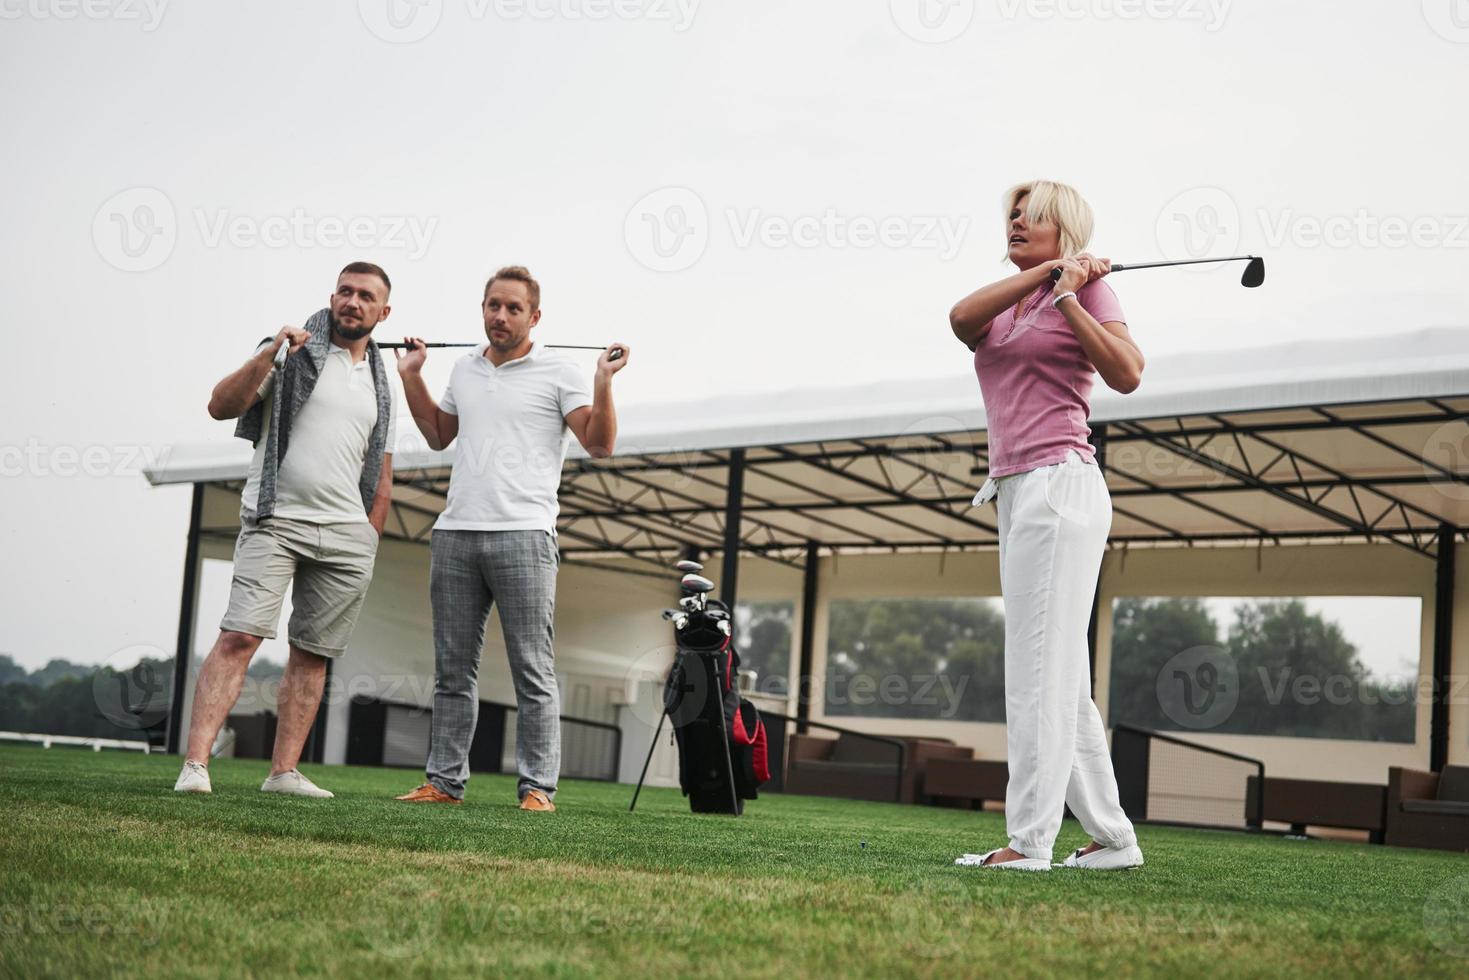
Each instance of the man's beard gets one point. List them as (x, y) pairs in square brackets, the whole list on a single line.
[(349, 333)]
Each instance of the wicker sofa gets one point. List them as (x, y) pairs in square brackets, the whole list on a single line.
[(1428, 809), (1305, 803), (859, 767)]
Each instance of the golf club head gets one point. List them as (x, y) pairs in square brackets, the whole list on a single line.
[(1254, 273), (687, 566), (696, 583)]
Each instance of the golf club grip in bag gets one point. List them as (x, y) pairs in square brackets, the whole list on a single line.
[(723, 757)]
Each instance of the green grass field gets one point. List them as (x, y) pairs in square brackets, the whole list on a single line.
[(106, 871)]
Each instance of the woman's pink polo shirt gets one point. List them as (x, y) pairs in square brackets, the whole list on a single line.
[(1036, 379)]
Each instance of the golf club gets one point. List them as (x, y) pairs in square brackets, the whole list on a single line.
[(697, 584), (280, 355), (616, 355), (699, 696), (1254, 272)]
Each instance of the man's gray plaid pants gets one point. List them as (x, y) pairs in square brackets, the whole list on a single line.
[(468, 572)]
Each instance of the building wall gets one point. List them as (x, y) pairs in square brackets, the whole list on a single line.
[(1287, 571), (608, 635), (612, 645), (907, 576), (603, 642), (1368, 570)]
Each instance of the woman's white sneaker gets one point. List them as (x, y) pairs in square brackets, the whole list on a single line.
[(1107, 859), (292, 783), (194, 778), (1018, 864)]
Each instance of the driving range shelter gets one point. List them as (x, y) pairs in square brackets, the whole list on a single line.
[(1336, 471)]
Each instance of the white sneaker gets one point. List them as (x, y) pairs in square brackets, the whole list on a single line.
[(193, 778), (1017, 864), (1106, 859), (294, 784)]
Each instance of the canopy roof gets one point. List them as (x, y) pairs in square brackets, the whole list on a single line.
[(1355, 439)]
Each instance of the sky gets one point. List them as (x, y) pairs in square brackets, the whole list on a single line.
[(755, 196)]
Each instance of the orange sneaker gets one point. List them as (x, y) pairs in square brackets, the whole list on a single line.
[(537, 801), (428, 793)]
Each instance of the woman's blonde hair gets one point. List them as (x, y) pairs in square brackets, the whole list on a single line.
[(1060, 204)]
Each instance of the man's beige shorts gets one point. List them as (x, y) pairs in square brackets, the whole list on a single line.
[(331, 565)]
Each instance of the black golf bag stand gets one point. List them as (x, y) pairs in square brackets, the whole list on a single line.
[(722, 753)]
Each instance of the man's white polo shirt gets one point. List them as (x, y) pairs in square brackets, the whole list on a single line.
[(512, 439), (320, 475)]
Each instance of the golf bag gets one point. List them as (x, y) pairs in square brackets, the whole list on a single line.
[(722, 753)]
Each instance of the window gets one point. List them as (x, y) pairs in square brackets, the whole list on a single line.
[(937, 659), (763, 638), (1307, 667)]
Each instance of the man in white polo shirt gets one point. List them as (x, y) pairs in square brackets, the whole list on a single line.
[(311, 513), (511, 404)]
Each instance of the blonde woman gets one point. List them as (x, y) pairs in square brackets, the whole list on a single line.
[(1036, 345)]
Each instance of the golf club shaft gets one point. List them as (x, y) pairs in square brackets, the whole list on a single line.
[(1120, 267), (395, 345), (280, 355), (656, 732)]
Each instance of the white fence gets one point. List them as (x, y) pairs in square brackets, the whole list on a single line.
[(97, 744)]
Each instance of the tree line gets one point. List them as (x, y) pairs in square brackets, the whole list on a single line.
[(1296, 672), (92, 701)]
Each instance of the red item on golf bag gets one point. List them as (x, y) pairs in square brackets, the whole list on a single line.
[(749, 729)]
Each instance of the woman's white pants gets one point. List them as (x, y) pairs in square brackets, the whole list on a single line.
[(1053, 524)]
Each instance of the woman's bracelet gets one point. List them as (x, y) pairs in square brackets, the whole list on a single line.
[(1056, 302)]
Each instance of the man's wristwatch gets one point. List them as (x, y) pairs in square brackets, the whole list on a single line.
[(1056, 301)]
